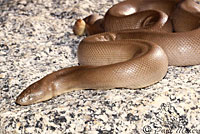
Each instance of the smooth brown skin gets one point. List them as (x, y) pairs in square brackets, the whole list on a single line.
[(134, 54)]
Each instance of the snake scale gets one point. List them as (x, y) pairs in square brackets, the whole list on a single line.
[(131, 47)]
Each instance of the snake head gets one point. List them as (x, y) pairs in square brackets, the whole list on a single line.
[(37, 92)]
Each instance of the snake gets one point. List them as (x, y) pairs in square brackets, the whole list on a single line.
[(130, 47)]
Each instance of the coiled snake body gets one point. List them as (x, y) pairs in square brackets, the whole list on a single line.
[(132, 47)]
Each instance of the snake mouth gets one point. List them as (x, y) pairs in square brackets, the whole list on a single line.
[(27, 97), (34, 93)]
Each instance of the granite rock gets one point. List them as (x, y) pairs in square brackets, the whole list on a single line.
[(36, 39)]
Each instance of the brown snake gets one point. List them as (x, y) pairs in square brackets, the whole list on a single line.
[(131, 48)]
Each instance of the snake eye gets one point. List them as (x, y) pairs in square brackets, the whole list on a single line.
[(29, 98), (26, 98)]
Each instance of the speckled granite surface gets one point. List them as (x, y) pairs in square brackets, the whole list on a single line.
[(36, 38)]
